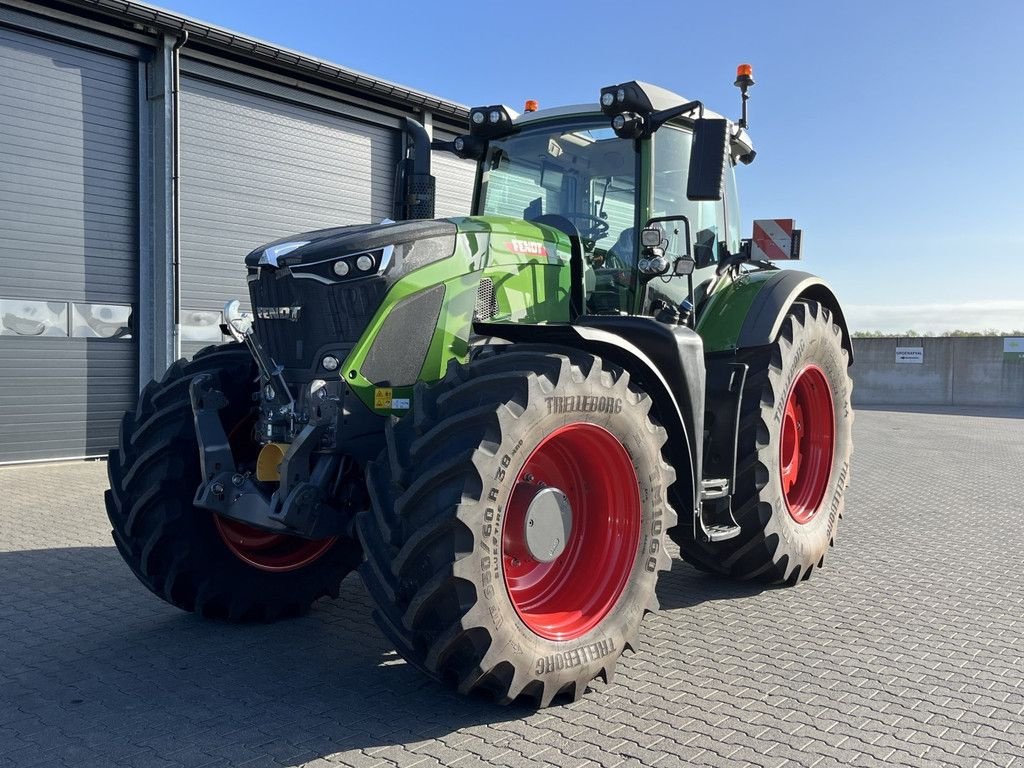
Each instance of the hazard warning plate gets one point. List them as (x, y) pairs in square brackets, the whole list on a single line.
[(775, 240)]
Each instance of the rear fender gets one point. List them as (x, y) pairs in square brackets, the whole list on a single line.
[(769, 308), (749, 312)]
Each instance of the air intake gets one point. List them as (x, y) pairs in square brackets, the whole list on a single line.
[(486, 306)]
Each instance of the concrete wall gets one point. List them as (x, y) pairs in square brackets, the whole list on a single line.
[(955, 371)]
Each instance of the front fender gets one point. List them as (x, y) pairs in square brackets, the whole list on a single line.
[(666, 362)]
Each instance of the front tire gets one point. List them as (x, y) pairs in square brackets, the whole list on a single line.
[(794, 447), (463, 584), (190, 557)]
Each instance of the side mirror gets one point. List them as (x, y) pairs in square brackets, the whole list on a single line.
[(707, 159)]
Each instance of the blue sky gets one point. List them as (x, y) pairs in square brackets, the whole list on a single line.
[(890, 131)]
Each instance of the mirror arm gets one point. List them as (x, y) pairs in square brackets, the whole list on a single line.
[(730, 260), (658, 119)]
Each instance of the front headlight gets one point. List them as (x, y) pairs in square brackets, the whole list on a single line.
[(352, 266)]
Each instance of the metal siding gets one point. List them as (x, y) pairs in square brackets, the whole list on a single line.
[(254, 169), (454, 187), (68, 232)]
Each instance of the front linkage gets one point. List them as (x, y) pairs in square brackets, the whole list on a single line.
[(305, 502)]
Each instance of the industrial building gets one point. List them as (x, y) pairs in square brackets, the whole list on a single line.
[(142, 155)]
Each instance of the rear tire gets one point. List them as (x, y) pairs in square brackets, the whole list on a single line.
[(181, 553), (460, 589), (796, 403)]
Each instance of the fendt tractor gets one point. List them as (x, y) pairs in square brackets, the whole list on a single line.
[(500, 419)]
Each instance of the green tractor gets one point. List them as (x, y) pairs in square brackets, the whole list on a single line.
[(501, 419)]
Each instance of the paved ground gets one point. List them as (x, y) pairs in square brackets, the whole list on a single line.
[(907, 649)]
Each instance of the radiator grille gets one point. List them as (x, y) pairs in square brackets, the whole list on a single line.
[(336, 313)]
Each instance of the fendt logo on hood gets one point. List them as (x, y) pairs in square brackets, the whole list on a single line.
[(279, 313), (528, 248)]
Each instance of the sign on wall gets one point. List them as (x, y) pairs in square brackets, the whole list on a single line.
[(1013, 350), (909, 354)]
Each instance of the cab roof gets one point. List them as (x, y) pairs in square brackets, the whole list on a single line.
[(660, 98)]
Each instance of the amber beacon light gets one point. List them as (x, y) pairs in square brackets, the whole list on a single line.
[(531, 105), (744, 79)]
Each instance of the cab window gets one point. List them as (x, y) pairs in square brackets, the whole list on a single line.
[(671, 166)]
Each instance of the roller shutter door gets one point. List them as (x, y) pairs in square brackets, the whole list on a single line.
[(454, 184), (68, 247), (255, 168)]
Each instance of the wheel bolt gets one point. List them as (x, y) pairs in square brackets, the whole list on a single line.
[(218, 489), (237, 480)]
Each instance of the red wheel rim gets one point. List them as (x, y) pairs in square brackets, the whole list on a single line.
[(808, 444), (265, 550), (269, 551), (567, 597)]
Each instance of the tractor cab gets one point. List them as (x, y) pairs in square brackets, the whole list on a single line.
[(648, 194)]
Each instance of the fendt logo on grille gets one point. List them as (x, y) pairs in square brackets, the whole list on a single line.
[(278, 313)]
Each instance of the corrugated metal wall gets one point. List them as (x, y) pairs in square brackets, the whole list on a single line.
[(68, 246), (454, 185), (261, 158), (254, 169)]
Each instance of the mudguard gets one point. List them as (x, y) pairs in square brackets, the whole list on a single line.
[(749, 312), (666, 362)]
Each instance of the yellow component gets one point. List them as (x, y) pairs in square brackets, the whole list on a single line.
[(268, 464), (382, 398)]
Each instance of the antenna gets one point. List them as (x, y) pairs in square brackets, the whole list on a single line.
[(744, 79)]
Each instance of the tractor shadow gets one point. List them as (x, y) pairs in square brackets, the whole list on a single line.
[(95, 670), (685, 587)]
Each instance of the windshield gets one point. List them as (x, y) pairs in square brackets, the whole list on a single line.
[(581, 171)]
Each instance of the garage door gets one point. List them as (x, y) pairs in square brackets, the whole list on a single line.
[(255, 169), (68, 216), (454, 184)]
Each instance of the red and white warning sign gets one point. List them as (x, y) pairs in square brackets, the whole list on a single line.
[(775, 240)]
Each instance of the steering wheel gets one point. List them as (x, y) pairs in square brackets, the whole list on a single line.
[(597, 228)]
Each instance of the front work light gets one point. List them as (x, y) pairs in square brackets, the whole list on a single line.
[(625, 97), (491, 122), (628, 125), (631, 108)]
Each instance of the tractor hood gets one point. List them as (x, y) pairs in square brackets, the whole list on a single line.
[(321, 244)]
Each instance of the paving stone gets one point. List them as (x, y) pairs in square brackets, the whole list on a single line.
[(904, 650)]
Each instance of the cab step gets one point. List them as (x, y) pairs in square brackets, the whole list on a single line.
[(715, 488), (712, 490), (721, 532)]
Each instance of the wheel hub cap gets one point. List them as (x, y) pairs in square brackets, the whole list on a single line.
[(548, 524)]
